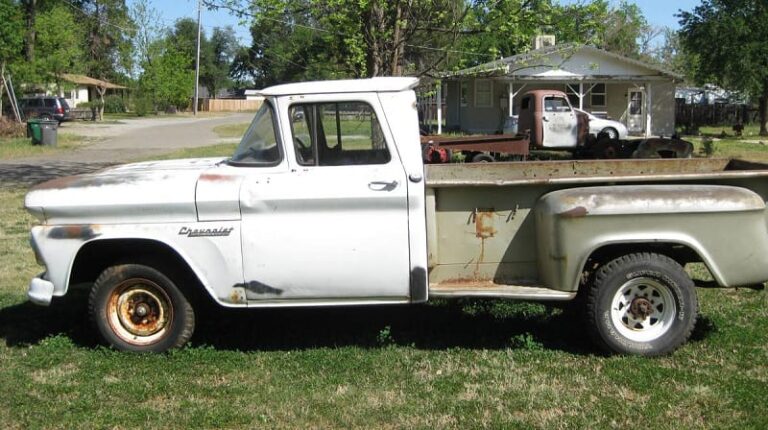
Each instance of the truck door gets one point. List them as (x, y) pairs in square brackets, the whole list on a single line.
[(560, 126), (335, 226)]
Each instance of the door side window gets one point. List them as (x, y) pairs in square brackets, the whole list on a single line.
[(556, 104), (337, 134)]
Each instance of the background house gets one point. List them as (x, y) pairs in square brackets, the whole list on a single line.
[(640, 95)]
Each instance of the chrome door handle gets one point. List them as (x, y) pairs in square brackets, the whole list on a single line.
[(382, 185)]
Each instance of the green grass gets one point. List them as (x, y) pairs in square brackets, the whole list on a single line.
[(725, 144), (462, 364), (226, 131), (11, 148)]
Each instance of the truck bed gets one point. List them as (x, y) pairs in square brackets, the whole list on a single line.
[(590, 171), (480, 222)]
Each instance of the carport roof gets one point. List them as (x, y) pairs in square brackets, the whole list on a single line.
[(87, 80)]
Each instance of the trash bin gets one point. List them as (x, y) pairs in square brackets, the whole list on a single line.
[(34, 131), (50, 132)]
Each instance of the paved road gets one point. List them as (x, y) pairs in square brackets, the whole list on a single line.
[(117, 143)]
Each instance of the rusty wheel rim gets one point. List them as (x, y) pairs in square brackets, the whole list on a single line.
[(139, 312)]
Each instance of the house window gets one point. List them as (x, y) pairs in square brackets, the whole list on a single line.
[(483, 93), (464, 93), (573, 95), (598, 96)]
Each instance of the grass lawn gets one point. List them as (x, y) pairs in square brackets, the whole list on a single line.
[(11, 148), (750, 146), (448, 364), (220, 150), (462, 364), (226, 131)]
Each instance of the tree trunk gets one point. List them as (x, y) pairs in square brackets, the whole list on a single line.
[(764, 111), (30, 11), (397, 47), (101, 92)]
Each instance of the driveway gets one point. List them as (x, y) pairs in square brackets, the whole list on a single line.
[(116, 143)]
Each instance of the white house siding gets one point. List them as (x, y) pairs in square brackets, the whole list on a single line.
[(663, 101)]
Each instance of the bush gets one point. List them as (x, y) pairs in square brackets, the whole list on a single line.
[(143, 105), (114, 104), (10, 128)]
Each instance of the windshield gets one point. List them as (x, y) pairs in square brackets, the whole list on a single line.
[(259, 144)]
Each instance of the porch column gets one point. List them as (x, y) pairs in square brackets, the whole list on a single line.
[(439, 103), (648, 110), (581, 95), (511, 98)]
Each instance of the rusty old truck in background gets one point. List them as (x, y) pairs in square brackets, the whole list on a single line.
[(547, 121), (326, 202)]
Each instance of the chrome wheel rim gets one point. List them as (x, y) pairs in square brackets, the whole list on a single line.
[(643, 309), (139, 312)]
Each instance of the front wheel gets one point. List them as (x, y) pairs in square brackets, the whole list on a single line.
[(641, 304), (137, 308)]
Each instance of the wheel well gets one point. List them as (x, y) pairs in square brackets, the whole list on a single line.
[(94, 257), (682, 254)]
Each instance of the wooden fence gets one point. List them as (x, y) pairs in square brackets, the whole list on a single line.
[(229, 105)]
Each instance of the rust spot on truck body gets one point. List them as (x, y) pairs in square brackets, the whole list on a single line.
[(484, 223), (81, 232), (215, 177), (257, 287), (577, 212)]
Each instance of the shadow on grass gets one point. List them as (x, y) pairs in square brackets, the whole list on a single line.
[(474, 324)]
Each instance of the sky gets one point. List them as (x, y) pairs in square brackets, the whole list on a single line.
[(657, 12)]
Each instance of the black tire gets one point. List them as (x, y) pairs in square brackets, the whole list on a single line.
[(123, 292), (642, 304), (483, 158)]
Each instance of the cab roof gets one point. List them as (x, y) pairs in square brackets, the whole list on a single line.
[(381, 84)]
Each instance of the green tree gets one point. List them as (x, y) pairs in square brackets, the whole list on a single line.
[(728, 40), (11, 32), (223, 48), (168, 80), (58, 45), (108, 32)]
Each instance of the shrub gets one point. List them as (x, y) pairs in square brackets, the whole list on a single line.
[(10, 128), (114, 104), (143, 105)]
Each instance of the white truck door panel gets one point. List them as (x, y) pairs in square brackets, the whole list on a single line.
[(326, 231), (559, 123)]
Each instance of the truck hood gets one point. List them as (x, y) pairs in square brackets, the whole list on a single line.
[(155, 191)]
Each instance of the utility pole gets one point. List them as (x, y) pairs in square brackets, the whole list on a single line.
[(197, 59)]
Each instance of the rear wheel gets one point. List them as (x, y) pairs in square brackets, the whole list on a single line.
[(137, 308), (610, 133), (641, 304)]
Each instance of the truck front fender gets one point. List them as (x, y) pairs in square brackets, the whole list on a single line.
[(725, 226), (215, 257)]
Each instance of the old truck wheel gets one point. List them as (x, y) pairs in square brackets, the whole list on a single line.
[(483, 158), (137, 308), (641, 304)]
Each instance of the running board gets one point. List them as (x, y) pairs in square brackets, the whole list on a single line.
[(490, 289)]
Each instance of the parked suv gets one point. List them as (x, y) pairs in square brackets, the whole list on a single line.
[(45, 107)]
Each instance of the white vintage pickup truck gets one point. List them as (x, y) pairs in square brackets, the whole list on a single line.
[(326, 202)]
